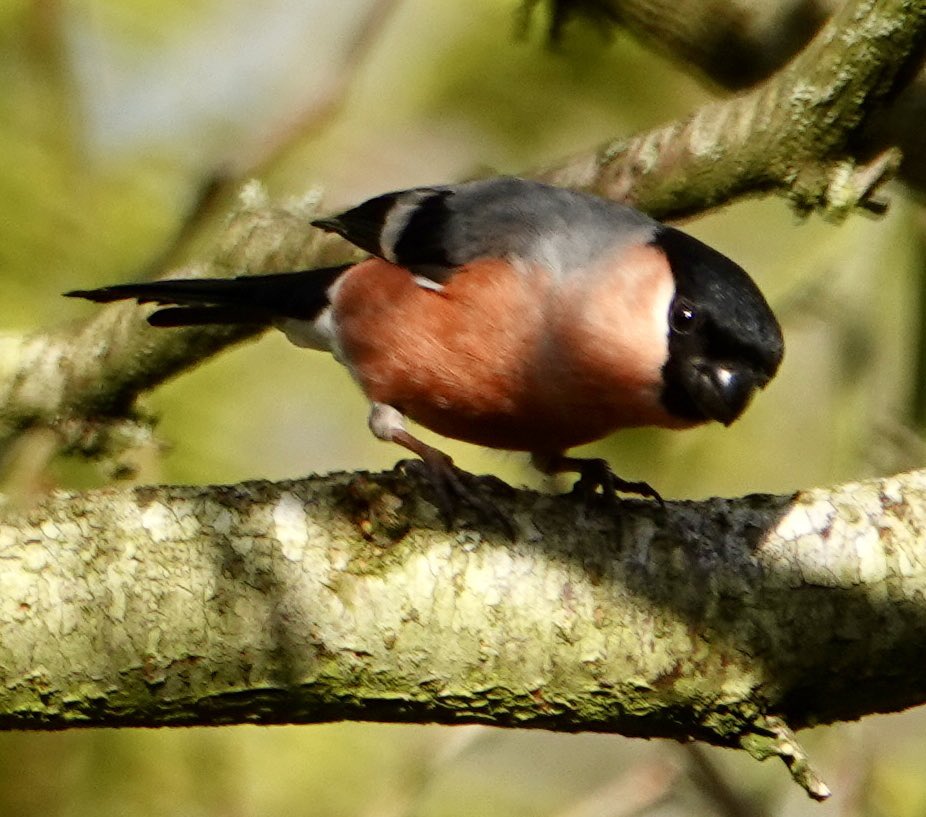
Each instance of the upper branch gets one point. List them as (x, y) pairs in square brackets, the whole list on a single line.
[(736, 43), (727, 620), (793, 133)]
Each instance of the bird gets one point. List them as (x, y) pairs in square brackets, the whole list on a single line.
[(514, 315)]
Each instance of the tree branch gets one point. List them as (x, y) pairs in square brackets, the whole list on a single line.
[(793, 134), (729, 621), (737, 44)]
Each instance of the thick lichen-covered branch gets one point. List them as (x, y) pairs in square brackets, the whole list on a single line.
[(730, 621)]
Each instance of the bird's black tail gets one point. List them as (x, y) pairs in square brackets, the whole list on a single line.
[(254, 299)]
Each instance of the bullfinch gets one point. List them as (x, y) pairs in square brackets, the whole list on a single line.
[(514, 315)]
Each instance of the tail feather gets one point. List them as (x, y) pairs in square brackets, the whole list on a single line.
[(246, 299), (209, 316)]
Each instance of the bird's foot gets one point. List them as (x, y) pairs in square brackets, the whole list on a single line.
[(596, 473), (452, 487)]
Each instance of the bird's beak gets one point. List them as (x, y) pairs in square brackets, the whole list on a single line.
[(722, 391)]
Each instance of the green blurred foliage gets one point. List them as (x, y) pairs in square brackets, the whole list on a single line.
[(114, 112)]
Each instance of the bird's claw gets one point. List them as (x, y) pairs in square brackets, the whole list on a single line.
[(453, 486), (596, 473)]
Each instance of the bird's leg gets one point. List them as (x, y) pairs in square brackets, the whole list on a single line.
[(594, 473), (451, 484)]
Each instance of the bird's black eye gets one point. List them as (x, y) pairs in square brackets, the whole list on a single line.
[(684, 318)]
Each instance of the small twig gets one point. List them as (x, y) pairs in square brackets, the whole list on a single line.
[(777, 739)]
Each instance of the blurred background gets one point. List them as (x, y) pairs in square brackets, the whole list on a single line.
[(116, 117)]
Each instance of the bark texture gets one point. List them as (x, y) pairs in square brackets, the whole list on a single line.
[(730, 621)]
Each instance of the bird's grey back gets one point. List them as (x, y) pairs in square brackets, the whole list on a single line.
[(539, 224), (433, 230)]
